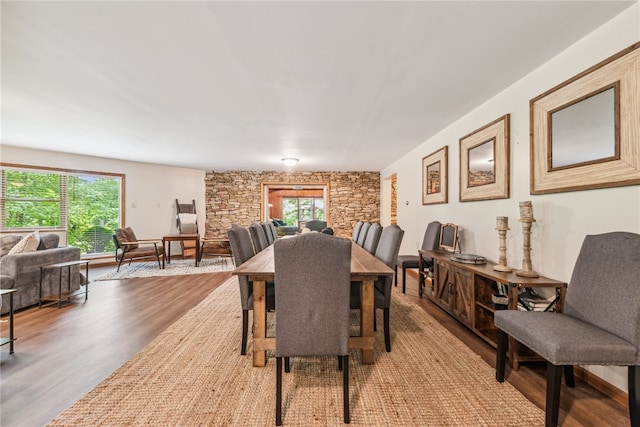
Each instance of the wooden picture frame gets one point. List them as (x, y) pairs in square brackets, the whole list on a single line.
[(435, 177), (584, 131), (484, 162)]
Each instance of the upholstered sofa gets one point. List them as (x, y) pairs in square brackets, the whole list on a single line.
[(21, 271)]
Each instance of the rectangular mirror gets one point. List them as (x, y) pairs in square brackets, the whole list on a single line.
[(584, 132)]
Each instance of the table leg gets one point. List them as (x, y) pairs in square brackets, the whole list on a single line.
[(11, 336), (366, 321), (259, 320), (164, 252), (86, 286), (197, 249)]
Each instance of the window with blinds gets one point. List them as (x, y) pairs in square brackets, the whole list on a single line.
[(85, 205)]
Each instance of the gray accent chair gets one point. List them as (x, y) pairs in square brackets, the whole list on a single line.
[(364, 230), (387, 252), (429, 242), (373, 237), (315, 225), (242, 250), (312, 276), (356, 230), (258, 236), (600, 324)]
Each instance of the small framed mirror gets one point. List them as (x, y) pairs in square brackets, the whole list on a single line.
[(434, 177)]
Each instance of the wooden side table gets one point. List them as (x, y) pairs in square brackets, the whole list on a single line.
[(11, 337), (176, 238), (68, 294)]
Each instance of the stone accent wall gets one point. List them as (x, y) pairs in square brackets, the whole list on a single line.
[(234, 197)]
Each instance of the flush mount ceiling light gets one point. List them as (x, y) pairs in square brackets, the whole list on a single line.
[(290, 161)]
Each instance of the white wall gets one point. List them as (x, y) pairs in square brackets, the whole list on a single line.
[(150, 190), (563, 219)]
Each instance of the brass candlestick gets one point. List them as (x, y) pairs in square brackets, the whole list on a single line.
[(526, 218), (502, 227)]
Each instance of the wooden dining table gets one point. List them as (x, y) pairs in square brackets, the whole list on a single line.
[(365, 269)]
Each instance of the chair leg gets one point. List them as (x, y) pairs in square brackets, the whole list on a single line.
[(287, 364), (375, 322), (633, 376), (404, 280), (278, 391), (245, 328), (396, 276), (387, 335), (501, 354), (554, 381), (345, 389), (568, 376), (339, 363)]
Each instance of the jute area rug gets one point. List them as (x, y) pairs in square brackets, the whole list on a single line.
[(193, 374), (176, 267)]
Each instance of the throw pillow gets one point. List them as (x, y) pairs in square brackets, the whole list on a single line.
[(29, 243), (49, 241), (7, 242)]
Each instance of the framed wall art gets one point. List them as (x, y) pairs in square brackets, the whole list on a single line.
[(584, 131), (434, 177), (484, 162)]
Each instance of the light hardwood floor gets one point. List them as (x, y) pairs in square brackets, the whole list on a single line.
[(61, 354)]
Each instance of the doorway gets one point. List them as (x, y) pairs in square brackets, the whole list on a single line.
[(294, 204)]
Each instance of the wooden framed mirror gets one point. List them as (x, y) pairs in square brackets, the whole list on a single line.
[(584, 132)]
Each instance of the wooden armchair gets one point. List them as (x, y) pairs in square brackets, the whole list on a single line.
[(128, 246)]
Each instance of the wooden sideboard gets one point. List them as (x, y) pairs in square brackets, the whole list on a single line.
[(465, 292)]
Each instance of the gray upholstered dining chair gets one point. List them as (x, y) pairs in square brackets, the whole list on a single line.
[(373, 237), (362, 235), (387, 252), (242, 250), (270, 231), (356, 230), (600, 323), (312, 276), (429, 242), (258, 237)]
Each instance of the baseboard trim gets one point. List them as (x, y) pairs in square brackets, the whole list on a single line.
[(587, 377), (601, 385)]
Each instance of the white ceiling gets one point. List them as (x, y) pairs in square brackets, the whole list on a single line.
[(239, 85)]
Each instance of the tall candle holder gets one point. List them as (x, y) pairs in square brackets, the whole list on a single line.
[(502, 227), (526, 218)]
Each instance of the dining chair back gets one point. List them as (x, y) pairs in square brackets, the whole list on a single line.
[(362, 236), (312, 276), (258, 236), (373, 237), (600, 323), (270, 231), (356, 230)]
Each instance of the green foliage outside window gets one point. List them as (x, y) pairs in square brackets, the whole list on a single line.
[(87, 206), (94, 212), (296, 210)]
